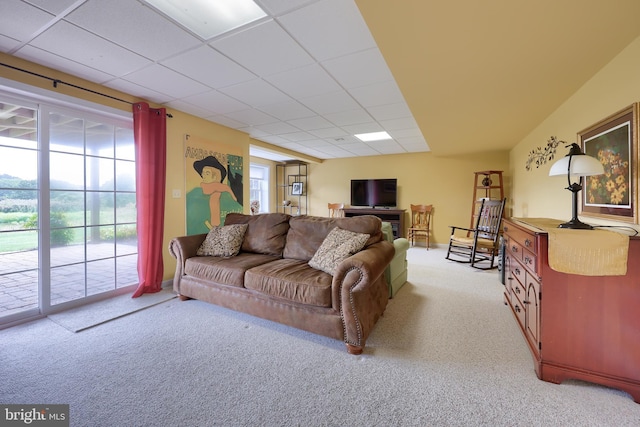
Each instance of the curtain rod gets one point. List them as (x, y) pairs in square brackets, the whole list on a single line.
[(56, 82)]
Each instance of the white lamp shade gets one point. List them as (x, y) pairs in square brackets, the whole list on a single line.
[(581, 165)]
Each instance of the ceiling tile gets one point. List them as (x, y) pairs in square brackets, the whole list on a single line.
[(138, 91), (83, 47), (59, 63), (386, 92), (297, 136), (274, 139), (251, 117), (331, 102), (359, 69), (363, 128), (188, 108), (311, 123), (351, 117), (162, 79), (400, 123), (386, 147), (276, 128), (278, 7), (55, 7), (295, 82), (215, 102), (8, 44), (389, 111), (412, 132), (19, 20), (333, 132), (287, 110), (255, 93), (134, 26), (199, 63), (227, 121), (315, 143), (266, 49), (361, 150), (329, 29), (335, 151)]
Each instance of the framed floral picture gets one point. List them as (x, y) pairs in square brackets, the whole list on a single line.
[(613, 141)]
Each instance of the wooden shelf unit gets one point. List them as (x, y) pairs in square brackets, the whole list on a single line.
[(486, 184)]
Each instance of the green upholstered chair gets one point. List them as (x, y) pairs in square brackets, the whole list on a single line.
[(396, 272)]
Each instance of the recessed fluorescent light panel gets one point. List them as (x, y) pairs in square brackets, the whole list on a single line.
[(373, 136), (209, 18)]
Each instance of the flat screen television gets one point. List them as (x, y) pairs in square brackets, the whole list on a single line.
[(374, 192)]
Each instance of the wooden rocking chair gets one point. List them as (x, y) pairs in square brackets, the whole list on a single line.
[(479, 244)]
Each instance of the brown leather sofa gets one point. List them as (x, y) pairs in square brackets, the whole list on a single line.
[(271, 277)]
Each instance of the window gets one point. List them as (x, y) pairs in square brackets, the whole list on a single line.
[(259, 187)]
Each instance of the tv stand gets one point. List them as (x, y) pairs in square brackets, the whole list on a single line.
[(394, 216)]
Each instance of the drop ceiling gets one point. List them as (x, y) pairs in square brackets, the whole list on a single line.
[(306, 78), (451, 78)]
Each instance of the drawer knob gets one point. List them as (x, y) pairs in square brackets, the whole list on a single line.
[(528, 260), (517, 271), (528, 243), (514, 249), (517, 309), (517, 290)]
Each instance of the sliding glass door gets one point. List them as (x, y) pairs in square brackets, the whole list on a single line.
[(75, 232)]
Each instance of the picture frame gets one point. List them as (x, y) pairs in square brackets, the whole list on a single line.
[(614, 142), (297, 188)]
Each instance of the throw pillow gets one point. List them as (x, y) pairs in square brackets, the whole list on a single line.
[(336, 247), (223, 241)]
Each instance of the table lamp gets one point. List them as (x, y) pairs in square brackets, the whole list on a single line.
[(576, 164)]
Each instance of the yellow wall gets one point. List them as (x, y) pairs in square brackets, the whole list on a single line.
[(445, 182), (615, 87)]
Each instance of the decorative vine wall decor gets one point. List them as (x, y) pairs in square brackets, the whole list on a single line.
[(541, 156)]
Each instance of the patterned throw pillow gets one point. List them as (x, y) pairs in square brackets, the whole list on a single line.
[(337, 246), (223, 241)]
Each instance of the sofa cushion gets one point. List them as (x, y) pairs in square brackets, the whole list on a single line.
[(225, 271), (224, 241), (266, 233), (336, 247), (306, 233), (293, 280)]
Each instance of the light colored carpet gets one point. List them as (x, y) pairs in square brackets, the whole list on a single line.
[(90, 315), (447, 352)]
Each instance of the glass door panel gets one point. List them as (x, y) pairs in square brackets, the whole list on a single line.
[(19, 230)]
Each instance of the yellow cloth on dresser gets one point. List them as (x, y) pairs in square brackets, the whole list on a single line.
[(584, 252)]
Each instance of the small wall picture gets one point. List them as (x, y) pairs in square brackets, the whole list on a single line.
[(297, 188)]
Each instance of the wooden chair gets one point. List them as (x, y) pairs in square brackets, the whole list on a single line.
[(482, 242), (336, 210), (420, 223)]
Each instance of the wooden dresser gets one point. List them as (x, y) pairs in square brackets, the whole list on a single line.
[(576, 327)]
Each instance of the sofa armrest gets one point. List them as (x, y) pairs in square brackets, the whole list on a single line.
[(401, 245), (360, 291), (183, 248)]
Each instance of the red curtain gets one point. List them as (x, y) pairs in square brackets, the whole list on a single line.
[(150, 135)]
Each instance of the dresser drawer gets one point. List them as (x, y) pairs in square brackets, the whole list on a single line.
[(530, 261), (516, 302), (515, 247), (524, 239)]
